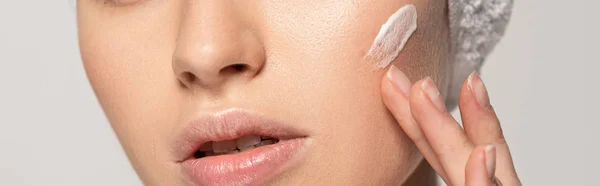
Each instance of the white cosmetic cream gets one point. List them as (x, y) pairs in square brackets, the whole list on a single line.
[(393, 35)]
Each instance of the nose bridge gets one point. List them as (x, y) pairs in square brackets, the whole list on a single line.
[(213, 45)]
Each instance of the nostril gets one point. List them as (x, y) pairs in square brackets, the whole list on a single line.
[(205, 77), (239, 67), (188, 77), (235, 68)]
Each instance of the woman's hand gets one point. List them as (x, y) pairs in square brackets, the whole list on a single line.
[(476, 155)]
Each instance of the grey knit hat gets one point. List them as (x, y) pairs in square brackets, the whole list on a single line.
[(475, 28)]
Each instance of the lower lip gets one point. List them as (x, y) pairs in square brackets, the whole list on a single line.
[(252, 167)]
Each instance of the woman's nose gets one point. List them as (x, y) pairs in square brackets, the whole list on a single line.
[(216, 46)]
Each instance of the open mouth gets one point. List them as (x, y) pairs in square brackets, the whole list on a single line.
[(237, 147), (245, 143)]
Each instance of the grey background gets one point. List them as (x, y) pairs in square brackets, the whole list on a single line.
[(542, 79)]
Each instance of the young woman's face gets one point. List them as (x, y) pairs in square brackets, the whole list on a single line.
[(172, 75)]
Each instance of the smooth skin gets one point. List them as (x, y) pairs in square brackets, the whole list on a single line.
[(154, 64), (475, 155)]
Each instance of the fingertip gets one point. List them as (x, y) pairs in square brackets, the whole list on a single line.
[(426, 100), (490, 160), (388, 96), (477, 159), (479, 118), (476, 171), (474, 94), (393, 97), (399, 80), (417, 96), (479, 90)]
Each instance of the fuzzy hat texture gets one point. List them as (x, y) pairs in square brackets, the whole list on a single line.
[(475, 28)]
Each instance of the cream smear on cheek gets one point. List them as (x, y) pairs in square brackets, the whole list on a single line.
[(393, 35)]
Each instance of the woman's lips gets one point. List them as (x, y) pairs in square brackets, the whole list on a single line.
[(250, 167)]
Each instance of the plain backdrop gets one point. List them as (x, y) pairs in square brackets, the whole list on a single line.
[(543, 80)]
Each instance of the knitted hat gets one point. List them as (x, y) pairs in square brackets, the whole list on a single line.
[(475, 28)]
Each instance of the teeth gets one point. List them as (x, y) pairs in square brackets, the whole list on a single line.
[(265, 137), (233, 152), (235, 146), (206, 147), (249, 148), (265, 142), (247, 141), (224, 146)]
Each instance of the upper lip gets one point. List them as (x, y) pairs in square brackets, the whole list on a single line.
[(227, 125)]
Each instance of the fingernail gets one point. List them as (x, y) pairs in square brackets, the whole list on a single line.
[(399, 80), (478, 88), (490, 160), (434, 94)]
